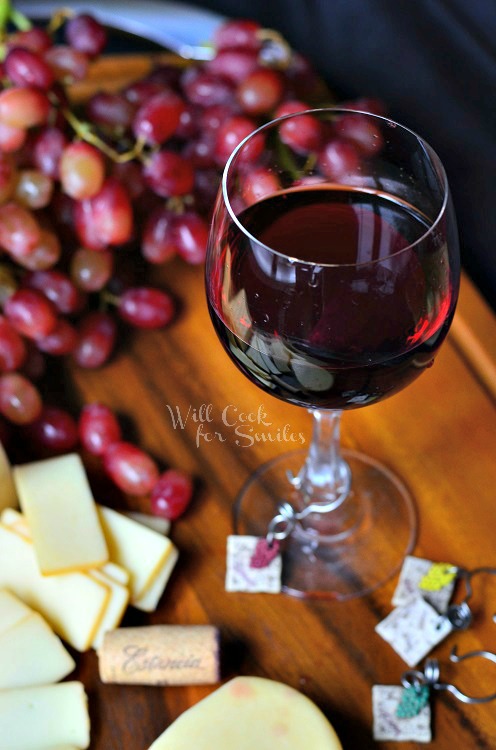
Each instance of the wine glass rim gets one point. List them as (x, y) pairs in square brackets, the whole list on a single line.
[(319, 110)]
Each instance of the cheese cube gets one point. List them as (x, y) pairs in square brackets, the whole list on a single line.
[(149, 600), (116, 607), (8, 494), (31, 654), (72, 603), (247, 713), (12, 610), (56, 499), (137, 548), (44, 716)]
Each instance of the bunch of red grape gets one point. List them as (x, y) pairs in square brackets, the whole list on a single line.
[(129, 174)]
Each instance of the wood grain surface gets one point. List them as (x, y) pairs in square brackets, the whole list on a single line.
[(439, 435)]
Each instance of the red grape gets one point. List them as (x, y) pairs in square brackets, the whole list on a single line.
[(35, 39), (31, 313), (45, 253), (260, 92), (231, 133), (57, 287), (62, 340), (98, 428), (11, 139), (168, 173), (110, 111), (20, 401), (338, 159), (130, 468), (106, 218), (91, 270), (53, 432), (19, 230), (364, 134), (47, 151), (233, 65), (33, 189), (200, 152), (68, 64), (82, 170), (145, 307), (304, 133), (158, 118), (191, 236), (157, 241), (85, 34), (258, 183), (237, 34), (12, 348), (23, 107), (26, 68), (172, 494), (207, 88), (139, 92), (96, 340)]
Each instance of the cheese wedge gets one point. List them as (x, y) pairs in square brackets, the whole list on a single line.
[(157, 523), (31, 654), (137, 548), (149, 600), (46, 716), (12, 610), (72, 603), (56, 499), (8, 494), (247, 713), (116, 607)]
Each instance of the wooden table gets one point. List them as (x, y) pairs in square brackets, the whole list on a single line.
[(439, 435)]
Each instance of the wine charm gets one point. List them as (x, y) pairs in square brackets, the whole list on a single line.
[(414, 629), (404, 713), (254, 565), (435, 582)]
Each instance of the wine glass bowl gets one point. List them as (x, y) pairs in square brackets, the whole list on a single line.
[(332, 278)]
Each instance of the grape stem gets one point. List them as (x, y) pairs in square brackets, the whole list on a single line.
[(84, 131), (8, 13), (58, 19)]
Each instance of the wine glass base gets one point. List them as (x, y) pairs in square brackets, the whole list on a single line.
[(345, 553)]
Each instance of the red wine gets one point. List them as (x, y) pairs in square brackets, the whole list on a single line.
[(335, 298)]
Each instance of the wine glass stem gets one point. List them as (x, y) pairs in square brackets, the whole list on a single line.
[(324, 479)]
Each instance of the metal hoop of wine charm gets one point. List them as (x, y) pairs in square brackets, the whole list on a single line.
[(430, 677), (460, 615)]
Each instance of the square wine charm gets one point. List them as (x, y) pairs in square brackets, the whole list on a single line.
[(243, 575)]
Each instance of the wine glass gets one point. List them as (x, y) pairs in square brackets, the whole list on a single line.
[(332, 277)]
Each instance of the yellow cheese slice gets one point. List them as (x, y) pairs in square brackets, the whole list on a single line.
[(13, 518), (149, 600), (113, 576), (157, 523), (31, 654), (8, 494), (137, 548), (56, 499), (116, 607), (116, 572), (12, 610), (248, 713), (72, 603), (44, 716)]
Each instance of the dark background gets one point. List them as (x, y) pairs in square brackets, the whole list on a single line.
[(433, 62)]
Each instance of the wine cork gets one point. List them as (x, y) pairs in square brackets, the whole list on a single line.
[(161, 655)]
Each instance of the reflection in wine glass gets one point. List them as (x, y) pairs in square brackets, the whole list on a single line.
[(332, 279)]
